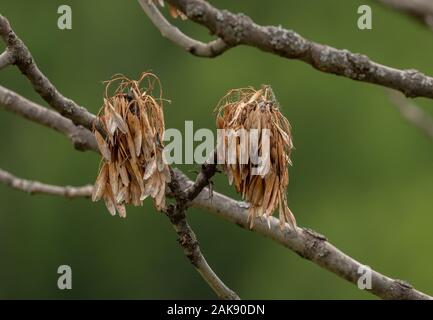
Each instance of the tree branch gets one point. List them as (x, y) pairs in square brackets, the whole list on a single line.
[(237, 29), (189, 243), (82, 138), (413, 113), (306, 243), (421, 10), (207, 171), (24, 61), (6, 59), (81, 117), (32, 187), (240, 30), (197, 48)]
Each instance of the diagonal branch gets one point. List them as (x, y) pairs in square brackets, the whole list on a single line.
[(237, 29), (6, 59), (421, 10), (82, 138), (197, 48), (189, 243), (208, 170), (306, 243), (413, 113), (32, 187), (23, 59)]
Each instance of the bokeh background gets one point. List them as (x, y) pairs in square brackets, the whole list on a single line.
[(362, 175)]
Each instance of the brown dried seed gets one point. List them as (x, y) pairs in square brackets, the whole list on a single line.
[(100, 184), (117, 118), (123, 174), (109, 201), (113, 177), (103, 146)]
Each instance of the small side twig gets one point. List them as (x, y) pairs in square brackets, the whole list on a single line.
[(208, 170), (189, 243), (32, 187), (421, 10), (197, 48), (413, 113), (6, 59)]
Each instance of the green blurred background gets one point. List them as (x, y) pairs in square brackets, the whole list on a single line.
[(362, 176)]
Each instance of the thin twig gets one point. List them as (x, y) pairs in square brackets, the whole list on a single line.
[(237, 29), (208, 170), (6, 59), (82, 138), (32, 187), (189, 243), (306, 243), (413, 113), (197, 48), (421, 10)]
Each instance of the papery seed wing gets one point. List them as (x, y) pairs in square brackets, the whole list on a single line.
[(123, 174), (275, 192), (120, 123), (103, 146), (109, 201), (150, 168), (113, 177), (160, 196), (134, 124), (135, 194), (121, 195), (121, 209), (156, 185), (100, 184), (269, 184), (136, 173)]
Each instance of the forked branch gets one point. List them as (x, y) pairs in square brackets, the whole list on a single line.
[(233, 30), (239, 29), (197, 48)]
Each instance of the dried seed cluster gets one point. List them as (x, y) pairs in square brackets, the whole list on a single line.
[(248, 109), (132, 166)]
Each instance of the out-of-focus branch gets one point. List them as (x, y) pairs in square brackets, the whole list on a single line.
[(421, 10), (32, 187), (306, 243), (82, 138), (413, 113), (197, 48), (237, 29), (6, 59), (23, 59)]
